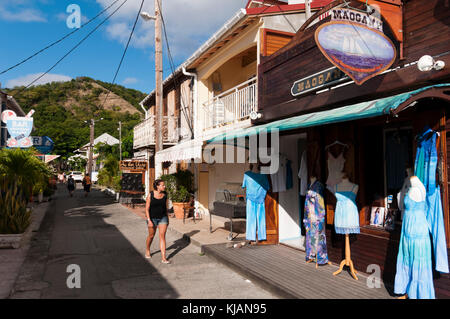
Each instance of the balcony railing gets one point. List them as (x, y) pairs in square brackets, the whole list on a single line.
[(144, 132), (231, 106)]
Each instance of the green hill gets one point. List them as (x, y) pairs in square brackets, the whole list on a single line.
[(62, 107)]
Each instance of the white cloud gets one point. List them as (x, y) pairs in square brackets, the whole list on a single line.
[(27, 79), (130, 81), (189, 23), (20, 10)]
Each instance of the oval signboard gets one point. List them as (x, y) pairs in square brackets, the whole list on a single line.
[(358, 50)]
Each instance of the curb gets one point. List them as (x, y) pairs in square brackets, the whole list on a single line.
[(187, 238)]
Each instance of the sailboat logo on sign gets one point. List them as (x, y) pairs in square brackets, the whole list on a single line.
[(355, 43)]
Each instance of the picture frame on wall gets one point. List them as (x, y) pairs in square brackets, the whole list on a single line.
[(377, 216)]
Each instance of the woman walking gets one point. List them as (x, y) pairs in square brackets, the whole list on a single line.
[(156, 212)]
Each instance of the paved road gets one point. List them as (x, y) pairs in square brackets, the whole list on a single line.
[(107, 241)]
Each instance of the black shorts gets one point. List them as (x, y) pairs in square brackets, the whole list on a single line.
[(87, 188), (71, 187)]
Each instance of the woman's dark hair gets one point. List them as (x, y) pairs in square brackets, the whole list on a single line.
[(156, 183)]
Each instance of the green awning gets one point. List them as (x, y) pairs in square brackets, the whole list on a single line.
[(347, 113)]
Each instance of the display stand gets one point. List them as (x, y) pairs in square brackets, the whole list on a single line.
[(315, 260), (347, 261)]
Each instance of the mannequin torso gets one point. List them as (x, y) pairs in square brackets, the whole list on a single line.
[(417, 191)]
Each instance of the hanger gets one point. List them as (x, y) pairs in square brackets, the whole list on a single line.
[(336, 143)]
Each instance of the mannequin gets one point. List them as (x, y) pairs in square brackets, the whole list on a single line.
[(314, 221), (346, 218), (417, 192), (256, 185), (414, 275)]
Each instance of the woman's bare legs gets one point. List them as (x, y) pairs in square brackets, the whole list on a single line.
[(151, 235), (162, 240)]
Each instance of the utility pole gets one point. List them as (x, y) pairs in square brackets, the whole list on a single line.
[(158, 79), (91, 147), (120, 140)]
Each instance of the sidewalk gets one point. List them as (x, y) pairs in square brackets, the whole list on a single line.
[(198, 232), (12, 259), (281, 270)]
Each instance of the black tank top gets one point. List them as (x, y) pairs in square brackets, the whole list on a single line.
[(158, 208)]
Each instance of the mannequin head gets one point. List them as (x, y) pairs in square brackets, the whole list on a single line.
[(312, 179)]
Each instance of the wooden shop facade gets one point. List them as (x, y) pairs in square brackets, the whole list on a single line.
[(319, 89)]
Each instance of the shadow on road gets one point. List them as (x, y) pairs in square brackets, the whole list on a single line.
[(85, 231)]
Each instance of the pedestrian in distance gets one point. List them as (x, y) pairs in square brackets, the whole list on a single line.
[(71, 185), (156, 209), (86, 184)]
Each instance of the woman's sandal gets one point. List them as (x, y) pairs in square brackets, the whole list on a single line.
[(165, 261), (148, 256)]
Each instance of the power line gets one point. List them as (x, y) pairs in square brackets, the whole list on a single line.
[(188, 120), (57, 41), (124, 52), (71, 50)]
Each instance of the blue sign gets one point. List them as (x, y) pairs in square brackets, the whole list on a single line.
[(43, 144)]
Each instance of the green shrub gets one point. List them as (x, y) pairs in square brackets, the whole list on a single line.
[(14, 215)]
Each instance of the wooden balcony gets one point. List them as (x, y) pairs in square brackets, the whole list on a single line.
[(144, 132)]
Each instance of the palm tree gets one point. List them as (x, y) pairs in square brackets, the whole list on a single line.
[(23, 168)]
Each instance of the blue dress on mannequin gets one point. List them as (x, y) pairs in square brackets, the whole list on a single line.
[(346, 217), (414, 274)]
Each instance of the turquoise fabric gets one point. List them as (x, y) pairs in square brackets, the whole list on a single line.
[(425, 168), (346, 217), (256, 186), (414, 274), (347, 113)]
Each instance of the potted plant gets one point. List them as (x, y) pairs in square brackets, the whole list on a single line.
[(179, 188)]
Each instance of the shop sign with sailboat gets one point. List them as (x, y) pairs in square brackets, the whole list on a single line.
[(356, 46)]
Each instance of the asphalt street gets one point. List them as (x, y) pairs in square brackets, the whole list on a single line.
[(106, 242)]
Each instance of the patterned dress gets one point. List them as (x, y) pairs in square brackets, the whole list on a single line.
[(315, 242)]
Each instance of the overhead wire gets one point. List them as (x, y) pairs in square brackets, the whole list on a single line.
[(71, 50), (124, 52), (57, 41), (172, 66)]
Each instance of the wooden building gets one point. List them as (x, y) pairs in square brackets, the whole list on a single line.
[(291, 84)]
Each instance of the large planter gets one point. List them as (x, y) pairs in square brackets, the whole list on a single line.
[(10, 240), (180, 209)]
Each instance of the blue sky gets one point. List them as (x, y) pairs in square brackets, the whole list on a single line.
[(29, 25)]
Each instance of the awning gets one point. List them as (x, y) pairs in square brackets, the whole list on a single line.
[(191, 149), (383, 106)]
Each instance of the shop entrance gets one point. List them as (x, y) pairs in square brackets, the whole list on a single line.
[(290, 202)]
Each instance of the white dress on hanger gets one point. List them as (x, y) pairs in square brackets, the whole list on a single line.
[(335, 168)]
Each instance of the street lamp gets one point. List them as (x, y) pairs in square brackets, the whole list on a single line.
[(146, 16)]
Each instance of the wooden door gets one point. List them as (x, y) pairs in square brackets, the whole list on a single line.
[(271, 204)]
